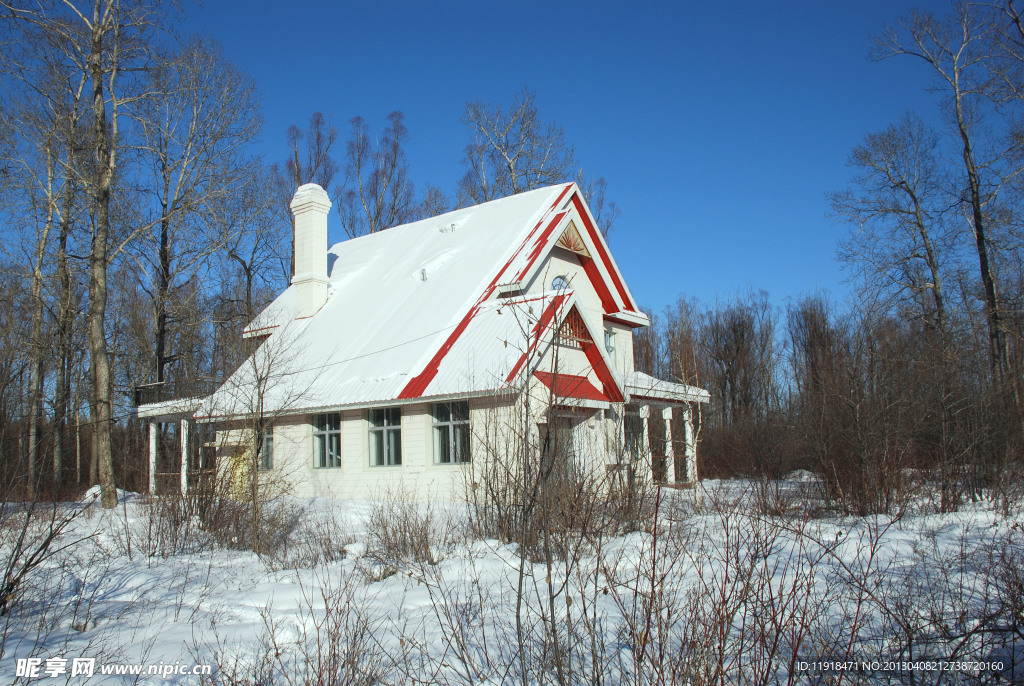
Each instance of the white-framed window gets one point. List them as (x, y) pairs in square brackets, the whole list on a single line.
[(385, 436), (327, 440), (609, 341), (451, 432), (266, 461)]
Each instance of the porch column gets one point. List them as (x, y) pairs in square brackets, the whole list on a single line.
[(690, 448), (153, 436), (645, 441), (184, 456), (621, 455), (670, 453)]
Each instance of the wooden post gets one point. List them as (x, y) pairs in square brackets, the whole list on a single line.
[(184, 456), (670, 454), (154, 430)]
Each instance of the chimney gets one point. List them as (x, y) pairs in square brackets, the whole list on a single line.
[(310, 207)]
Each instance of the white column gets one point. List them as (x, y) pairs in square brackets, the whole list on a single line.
[(184, 457), (645, 442), (670, 454), (153, 436), (690, 449)]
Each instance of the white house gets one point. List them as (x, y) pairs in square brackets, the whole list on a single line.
[(388, 354)]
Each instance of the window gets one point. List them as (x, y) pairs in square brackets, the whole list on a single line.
[(559, 283), (609, 341), (451, 432), (327, 440), (386, 436), (266, 462)]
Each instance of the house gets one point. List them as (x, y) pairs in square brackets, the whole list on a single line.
[(390, 357)]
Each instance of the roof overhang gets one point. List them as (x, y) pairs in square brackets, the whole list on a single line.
[(643, 388), (633, 319), (394, 402), (169, 409)]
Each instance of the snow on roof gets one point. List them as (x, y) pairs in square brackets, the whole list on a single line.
[(411, 312), (641, 385)]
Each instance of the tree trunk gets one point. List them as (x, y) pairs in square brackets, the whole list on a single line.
[(102, 414), (65, 323), (161, 295), (35, 393)]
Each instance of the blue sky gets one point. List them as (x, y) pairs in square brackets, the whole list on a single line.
[(719, 126)]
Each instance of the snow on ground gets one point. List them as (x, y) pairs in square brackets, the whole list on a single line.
[(712, 589)]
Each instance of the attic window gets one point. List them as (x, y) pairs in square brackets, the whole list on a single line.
[(559, 283), (573, 333)]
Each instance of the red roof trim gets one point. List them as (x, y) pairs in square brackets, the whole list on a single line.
[(571, 386), (598, 242), (538, 246), (607, 301), (418, 384), (603, 373), (543, 322), (612, 392)]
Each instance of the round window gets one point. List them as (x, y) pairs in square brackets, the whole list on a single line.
[(560, 283)]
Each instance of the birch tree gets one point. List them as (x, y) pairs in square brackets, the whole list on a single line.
[(197, 119), (310, 160), (901, 238), (960, 53), (110, 41), (377, 193), (513, 151), (42, 139)]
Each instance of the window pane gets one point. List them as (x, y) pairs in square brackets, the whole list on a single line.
[(377, 417), (334, 450), (394, 447), (376, 448), (393, 416), (442, 413), (460, 411), (321, 451), (442, 444), (461, 442)]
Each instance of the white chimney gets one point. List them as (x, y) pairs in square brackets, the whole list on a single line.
[(310, 207)]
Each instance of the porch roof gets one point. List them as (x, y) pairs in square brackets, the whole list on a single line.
[(640, 386)]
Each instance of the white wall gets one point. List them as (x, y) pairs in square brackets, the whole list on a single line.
[(419, 472)]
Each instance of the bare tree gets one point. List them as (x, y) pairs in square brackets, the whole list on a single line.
[(901, 239), (960, 52), (311, 160), (268, 386), (377, 193), (197, 119), (43, 121), (511, 152), (515, 151)]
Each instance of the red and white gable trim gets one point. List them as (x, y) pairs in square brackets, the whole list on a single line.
[(566, 215)]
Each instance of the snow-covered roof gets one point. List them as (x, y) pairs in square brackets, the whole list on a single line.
[(423, 309), (642, 386)]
